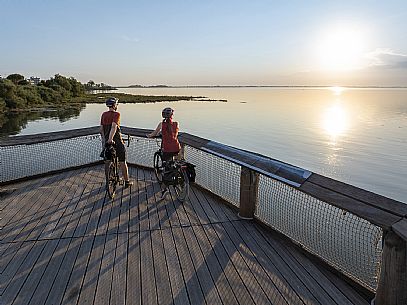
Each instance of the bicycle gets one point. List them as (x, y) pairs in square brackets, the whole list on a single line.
[(171, 173), (112, 168)]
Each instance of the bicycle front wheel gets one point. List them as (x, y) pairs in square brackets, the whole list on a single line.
[(182, 186), (158, 166), (111, 180)]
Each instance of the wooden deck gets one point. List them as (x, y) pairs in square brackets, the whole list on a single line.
[(62, 241)]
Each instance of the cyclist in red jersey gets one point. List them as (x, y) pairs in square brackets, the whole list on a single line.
[(110, 131), (169, 131), (170, 144)]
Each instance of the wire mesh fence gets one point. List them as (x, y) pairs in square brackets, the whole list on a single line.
[(345, 241), (20, 161), (218, 175)]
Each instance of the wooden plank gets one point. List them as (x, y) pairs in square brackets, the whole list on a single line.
[(174, 269), (191, 282), (198, 215), (33, 279), (60, 283), (104, 285), (18, 253), (96, 213), (134, 223), (239, 288), (164, 295), (246, 276), (133, 289), (215, 269), (92, 273), (118, 294), (401, 228), (148, 284), (92, 199), (16, 282), (151, 200), (7, 253), (52, 202), (311, 284), (381, 202), (80, 206), (14, 221), (207, 284), (125, 206), (113, 227), (374, 215), (274, 296), (269, 266), (76, 278), (54, 217), (142, 196), (64, 220), (323, 281), (50, 274), (280, 266)]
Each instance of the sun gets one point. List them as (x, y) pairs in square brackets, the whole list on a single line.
[(341, 48)]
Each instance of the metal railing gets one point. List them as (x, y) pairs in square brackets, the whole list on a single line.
[(344, 226)]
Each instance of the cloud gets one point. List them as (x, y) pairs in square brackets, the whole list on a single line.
[(386, 58), (127, 38)]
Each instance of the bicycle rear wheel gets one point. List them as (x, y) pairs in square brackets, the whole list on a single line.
[(158, 166), (111, 180), (181, 188)]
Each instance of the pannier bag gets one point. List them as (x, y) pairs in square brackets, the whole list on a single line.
[(191, 172), (108, 153)]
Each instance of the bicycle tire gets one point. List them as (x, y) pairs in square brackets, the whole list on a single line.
[(158, 166), (181, 188), (111, 180)]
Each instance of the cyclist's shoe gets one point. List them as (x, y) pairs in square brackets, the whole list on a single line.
[(127, 184)]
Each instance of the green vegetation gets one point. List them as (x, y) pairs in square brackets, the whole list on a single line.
[(128, 98), (17, 94), (59, 92)]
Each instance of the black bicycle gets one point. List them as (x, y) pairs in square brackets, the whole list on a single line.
[(112, 168), (172, 173)]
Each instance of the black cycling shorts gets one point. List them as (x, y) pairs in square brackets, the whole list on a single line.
[(121, 151)]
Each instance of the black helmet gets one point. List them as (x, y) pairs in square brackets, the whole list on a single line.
[(167, 112), (110, 102)]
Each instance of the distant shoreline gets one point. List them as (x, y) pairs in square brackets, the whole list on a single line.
[(257, 86)]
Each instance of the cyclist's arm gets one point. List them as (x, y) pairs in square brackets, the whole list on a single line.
[(112, 132), (102, 133), (156, 131)]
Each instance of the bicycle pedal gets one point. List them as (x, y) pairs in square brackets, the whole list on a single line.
[(121, 181)]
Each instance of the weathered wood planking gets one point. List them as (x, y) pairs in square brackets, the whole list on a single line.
[(84, 248)]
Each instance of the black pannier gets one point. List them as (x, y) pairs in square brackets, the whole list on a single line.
[(190, 172), (108, 153)]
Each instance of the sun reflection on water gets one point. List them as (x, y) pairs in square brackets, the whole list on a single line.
[(335, 121)]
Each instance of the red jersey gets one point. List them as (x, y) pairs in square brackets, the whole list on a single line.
[(109, 117), (169, 131)]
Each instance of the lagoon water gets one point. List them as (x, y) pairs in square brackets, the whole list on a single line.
[(355, 135)]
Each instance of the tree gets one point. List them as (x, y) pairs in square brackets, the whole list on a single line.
[(15, 78)]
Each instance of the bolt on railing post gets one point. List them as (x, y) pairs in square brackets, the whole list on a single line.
[(392, 286), (249, 184)]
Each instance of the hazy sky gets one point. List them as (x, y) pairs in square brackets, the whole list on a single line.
[(207, 42)]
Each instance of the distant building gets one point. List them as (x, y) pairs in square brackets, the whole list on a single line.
[(34, 80)]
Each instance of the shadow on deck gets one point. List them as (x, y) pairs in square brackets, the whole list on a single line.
[(62, 241)]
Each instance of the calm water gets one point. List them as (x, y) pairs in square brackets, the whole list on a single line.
[(358, 136)]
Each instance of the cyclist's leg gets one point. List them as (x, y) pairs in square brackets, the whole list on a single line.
[(121, 155)]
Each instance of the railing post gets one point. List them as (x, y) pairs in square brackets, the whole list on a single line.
[(392, 286), (249, 184)]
